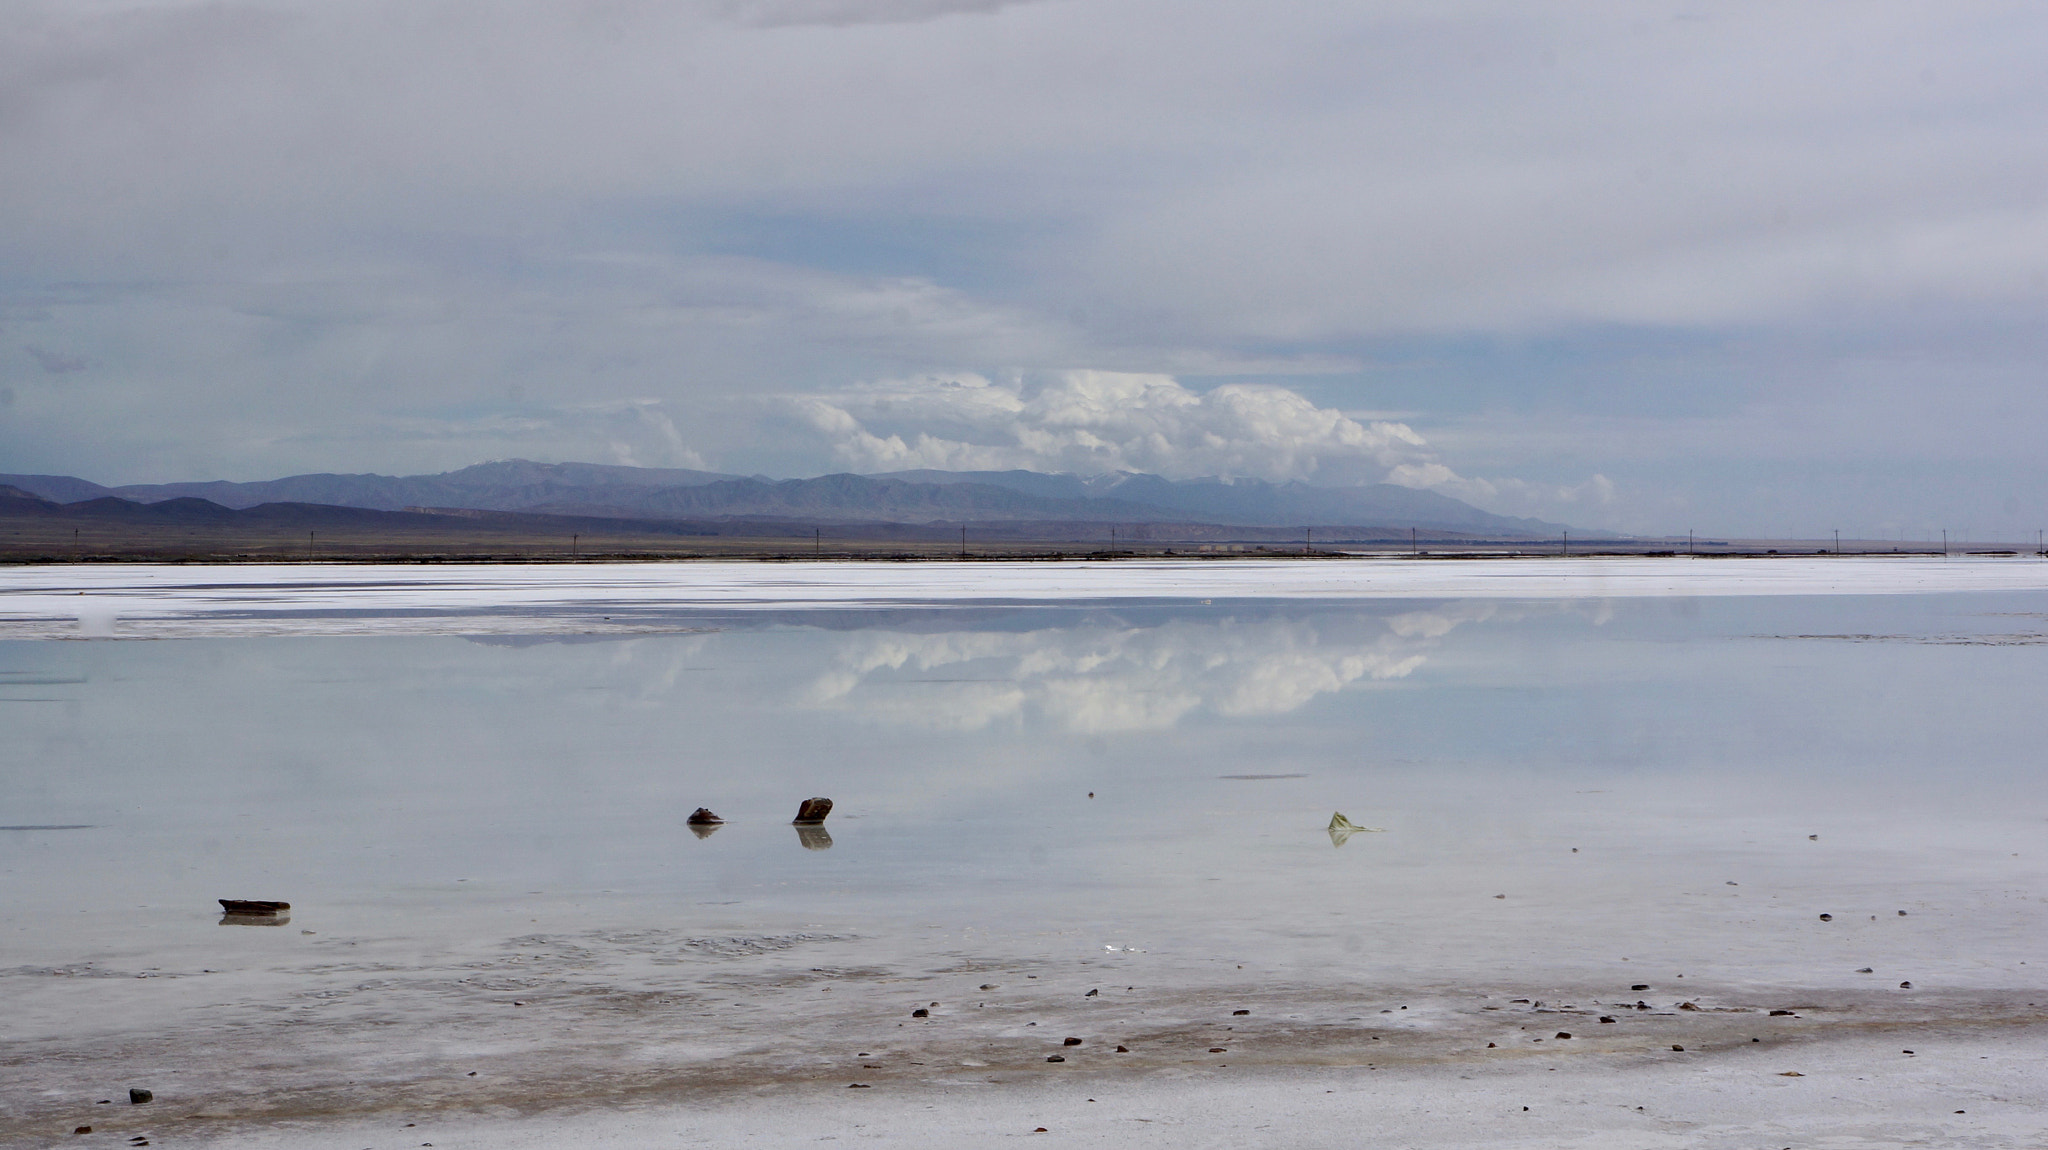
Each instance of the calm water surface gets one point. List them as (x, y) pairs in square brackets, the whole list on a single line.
[(443, 788)]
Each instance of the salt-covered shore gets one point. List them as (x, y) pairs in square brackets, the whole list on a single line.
[(170, 601)]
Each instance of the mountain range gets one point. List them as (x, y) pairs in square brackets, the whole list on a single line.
[(605, 491)]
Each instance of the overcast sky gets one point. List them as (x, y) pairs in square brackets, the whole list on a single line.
[(1772, 268)]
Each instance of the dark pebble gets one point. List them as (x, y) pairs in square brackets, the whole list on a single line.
[(1640, 986), (1057, 1058), (1093, 993), (920, 1012), (83, 1130), (1827, 918), (1675, 1046), (1780, 1013), (1123, 1050), (1218, 1050), (1865, 970), (1605, 1018), (1489, 1046), (1071, 1042), (1905, 986), (1234, 1012), (988, 986), (1902, 914), (858, 1086), (1564, 1034), (137, 1096)]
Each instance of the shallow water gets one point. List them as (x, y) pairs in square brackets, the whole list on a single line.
[(1658, 785), (395, 783)]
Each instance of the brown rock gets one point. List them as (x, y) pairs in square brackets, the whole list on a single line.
[(702, 817), (812, 812)]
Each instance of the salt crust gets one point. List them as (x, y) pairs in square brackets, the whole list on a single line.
[(161, 601)]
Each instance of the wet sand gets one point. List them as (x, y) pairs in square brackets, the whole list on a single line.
[(649, 1038)]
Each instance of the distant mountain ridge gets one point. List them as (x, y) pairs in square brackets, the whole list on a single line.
[(601, 490)]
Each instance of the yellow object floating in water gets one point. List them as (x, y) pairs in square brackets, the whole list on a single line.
[(1341, 829)]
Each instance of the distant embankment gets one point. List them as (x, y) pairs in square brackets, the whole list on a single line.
[(36, 529)]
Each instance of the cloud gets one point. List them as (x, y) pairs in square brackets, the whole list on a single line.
[(56, 362), (1097, 422), (1103, 679)]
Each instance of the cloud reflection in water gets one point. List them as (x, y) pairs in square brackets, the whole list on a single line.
[(1101, 679)]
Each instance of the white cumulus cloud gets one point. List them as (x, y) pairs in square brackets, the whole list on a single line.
[(1096, 422)]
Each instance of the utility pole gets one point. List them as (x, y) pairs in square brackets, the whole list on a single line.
[(1567, 543), (1112, 541), (1414, 548), (1308, 540), (1688, 541), (963, 541), (572, 545), (1944, 543), (1838, 541), (817, 542)]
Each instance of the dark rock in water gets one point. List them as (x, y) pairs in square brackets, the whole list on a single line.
[(1218, 1050), (1781, 1013), (1234, 1012), (1606, 1018), (920, 1012), (988, 986), (702, 817), (1564, 1034), (814, 838), (1675, 1046), (1071, 1042), (1827, 918), (252, 906), (1640, 986), (1905, 986), (1865, 970), (1092, 993), (812, 812), (83, 1130), (1490, 1046), (858, 1086), (1902, 914), (1056, 1058), (1123, 1050), (137, 1095)]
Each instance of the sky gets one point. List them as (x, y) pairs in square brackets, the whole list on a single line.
[(1750, 269)]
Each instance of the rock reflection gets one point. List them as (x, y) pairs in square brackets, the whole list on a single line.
[(814, 838), (278, 919), (704, 830)]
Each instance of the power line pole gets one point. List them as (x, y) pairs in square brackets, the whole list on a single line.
[(573, 540), (1567, 543), (1838, 541), (963, 541), (1414, 548), (1688, 541), (817, 542), (1308, 540)]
